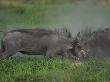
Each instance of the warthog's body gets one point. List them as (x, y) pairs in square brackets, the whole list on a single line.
[(35, 41)]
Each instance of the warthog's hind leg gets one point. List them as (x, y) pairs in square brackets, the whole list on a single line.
[(8, 52)]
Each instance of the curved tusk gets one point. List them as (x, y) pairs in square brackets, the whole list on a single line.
[(83, 52)]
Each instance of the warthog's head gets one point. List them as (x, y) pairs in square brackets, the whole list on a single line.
[(73, 46), (78, 50)]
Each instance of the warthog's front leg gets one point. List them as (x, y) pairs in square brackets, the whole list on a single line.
[(50, 53)]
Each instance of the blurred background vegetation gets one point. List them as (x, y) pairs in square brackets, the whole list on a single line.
[(21, 2), (27, 13), (44, 2)]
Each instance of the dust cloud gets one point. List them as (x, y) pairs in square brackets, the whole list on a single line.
[(79, 15)]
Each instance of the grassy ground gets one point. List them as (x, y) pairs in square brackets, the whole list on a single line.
[(20, 15), (56, 70)]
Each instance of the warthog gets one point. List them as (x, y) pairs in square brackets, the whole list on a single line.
[(96, 43), (36, 41)]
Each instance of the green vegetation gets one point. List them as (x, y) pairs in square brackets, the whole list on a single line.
[(16, 14), (55, 70), (20, 17), (21, 2)]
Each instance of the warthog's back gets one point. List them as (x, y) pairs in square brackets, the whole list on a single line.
[(38, 32)]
